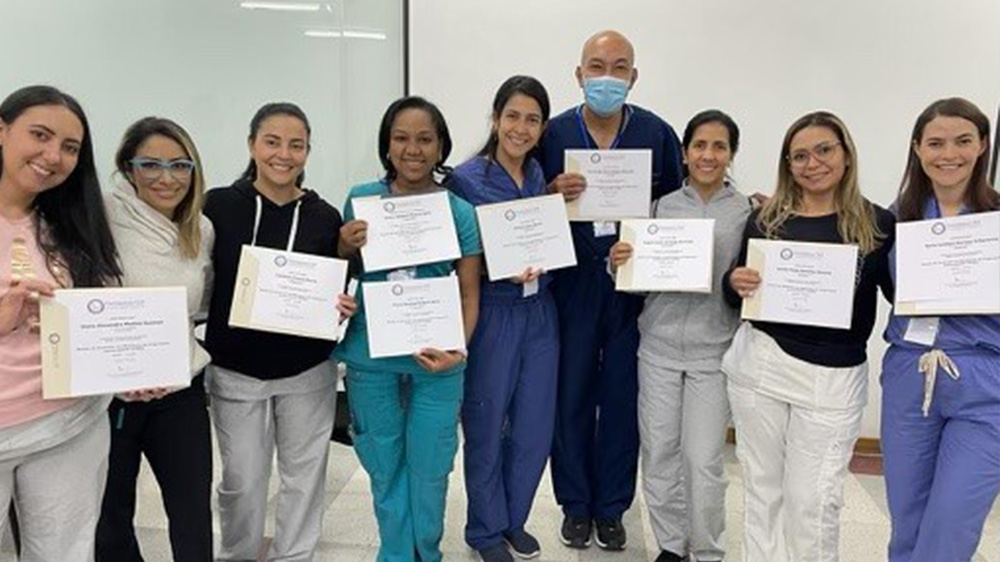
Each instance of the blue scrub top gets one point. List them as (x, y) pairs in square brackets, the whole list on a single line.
[(353, 350), (955, 333), (481, 181), (640, 129)]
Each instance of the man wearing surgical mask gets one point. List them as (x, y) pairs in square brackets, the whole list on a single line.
[(594, 457)]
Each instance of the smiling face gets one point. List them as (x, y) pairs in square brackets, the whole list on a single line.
[(414, 148), (40, 149), (518, 127), (948, 150), (279, 150), (708, 155), (162, 189), (817, 160)]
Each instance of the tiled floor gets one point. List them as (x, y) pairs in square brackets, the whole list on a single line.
[(349, 532)]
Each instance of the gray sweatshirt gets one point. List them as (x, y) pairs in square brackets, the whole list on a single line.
[(691, 331)]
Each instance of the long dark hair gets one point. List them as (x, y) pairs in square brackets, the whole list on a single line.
[(524, 85), (916, 187), (76, 233), (270, 110), (385, 133), (711, 116)]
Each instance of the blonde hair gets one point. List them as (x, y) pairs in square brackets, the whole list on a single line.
[(187, 215), (855, 215)]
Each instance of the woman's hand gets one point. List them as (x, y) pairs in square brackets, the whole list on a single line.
[(620, 253), (529, 275), (570, 184), (744, 281), (435, 360), (346, 305), (22, 296), (353, 236), (145, 394)]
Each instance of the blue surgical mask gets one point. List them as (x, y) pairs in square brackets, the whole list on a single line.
[(605, 95)]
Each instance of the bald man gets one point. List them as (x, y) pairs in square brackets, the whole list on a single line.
[(594, 457)]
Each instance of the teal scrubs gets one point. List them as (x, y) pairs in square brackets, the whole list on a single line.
[(405, 419)]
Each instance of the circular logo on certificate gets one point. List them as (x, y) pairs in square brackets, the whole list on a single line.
[(397, 290), (510, 215), (54, 339), (280, 261), (95, 306), (389, 206), (938, 228), (786, 254), (652, 229), (245, 281), (595, 158)]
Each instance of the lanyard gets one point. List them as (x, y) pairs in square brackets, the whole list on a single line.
[(291, 233), (586, 136)]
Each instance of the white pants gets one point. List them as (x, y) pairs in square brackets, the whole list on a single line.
[(57, 494), (295, 419), (682, 429), (796, 424)]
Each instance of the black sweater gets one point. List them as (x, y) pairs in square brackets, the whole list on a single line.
[(263, 355), (830, 347)]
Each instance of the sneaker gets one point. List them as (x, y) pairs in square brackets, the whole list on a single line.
[(610, 534), (575, 532), (496, 553), (522, 544), (667, 556)]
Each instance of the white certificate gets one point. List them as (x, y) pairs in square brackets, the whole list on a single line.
[(523, 233), (105, 341), (802, 283), (404, 317), (667, 255), (407, 230), (619, 184), (288, 293), (949, 265)]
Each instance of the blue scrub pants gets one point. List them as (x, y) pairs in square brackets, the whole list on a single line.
[(508, 413), (596, 447), (942, 472), (406, 436)]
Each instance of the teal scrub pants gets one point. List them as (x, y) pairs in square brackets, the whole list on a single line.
[(406, 436)]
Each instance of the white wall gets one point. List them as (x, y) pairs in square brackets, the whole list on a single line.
[(209, 65), (876, 63)]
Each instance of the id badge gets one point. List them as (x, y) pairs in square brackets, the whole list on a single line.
[(404, 274), (605, 228), (530, 288), (922, 330)]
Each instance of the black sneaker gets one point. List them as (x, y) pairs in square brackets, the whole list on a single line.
[(610, 534), (522, 544), (496, 553), (667, 556), (575, 532)]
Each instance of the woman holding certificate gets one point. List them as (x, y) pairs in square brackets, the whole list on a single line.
[(797, 390), (508, 412), (53, 234), (941, 375), (270, 391), (163, 240), (405, 408), (683, 407)]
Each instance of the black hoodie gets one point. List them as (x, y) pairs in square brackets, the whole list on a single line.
[(263, 355)]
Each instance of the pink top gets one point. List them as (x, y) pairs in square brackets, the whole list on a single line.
[(21, 350)]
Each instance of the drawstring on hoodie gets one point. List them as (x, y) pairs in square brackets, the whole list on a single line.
[(291, 233)]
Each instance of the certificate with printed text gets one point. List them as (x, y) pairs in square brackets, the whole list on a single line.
[(949, 265), (408, 230), (106, 341), (667, 255), (523, 233), (803, 283), (404, 317), (288, 293), (619, 184)]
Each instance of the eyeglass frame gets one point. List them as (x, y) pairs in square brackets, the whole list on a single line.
[(164, 166), (811, 153)]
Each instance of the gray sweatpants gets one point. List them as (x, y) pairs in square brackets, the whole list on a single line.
[(682, 427), (253, 418)]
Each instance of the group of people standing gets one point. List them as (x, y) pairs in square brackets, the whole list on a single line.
[(558, 365)]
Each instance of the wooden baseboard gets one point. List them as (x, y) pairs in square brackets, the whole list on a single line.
[(864, 445)]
